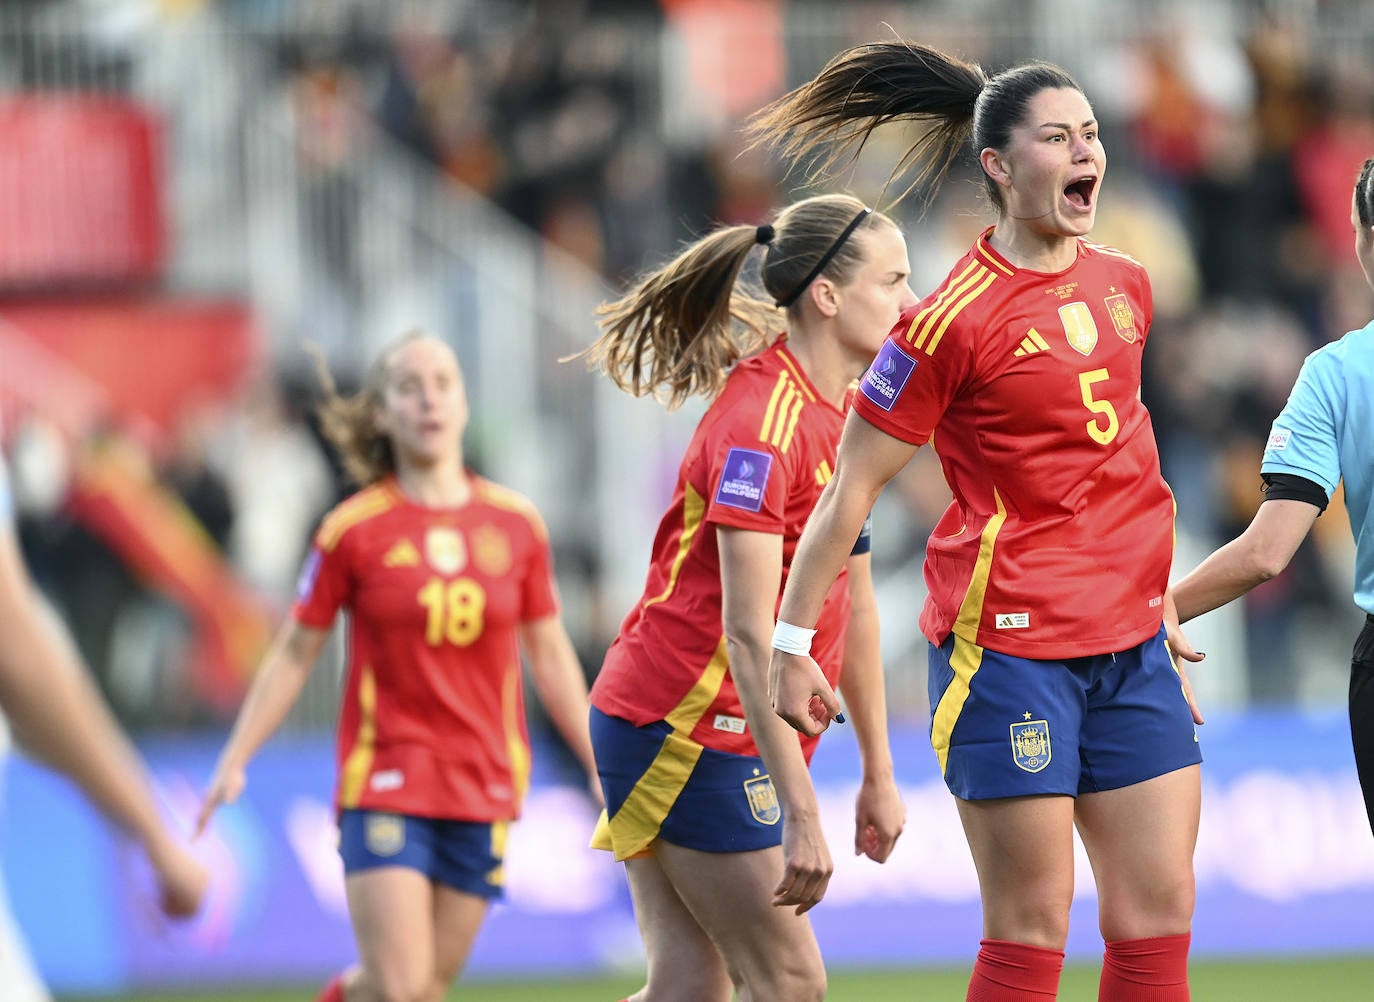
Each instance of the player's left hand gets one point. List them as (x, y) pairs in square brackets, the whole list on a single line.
[(181, 878), (879, 818), (1181, 650)]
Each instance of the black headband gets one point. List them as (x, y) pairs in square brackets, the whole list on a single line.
[(826, 258)]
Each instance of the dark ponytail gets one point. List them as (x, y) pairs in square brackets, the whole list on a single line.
[(870, 85)]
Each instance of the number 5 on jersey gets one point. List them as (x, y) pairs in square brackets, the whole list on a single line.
[(454, 610), (1102, 408)]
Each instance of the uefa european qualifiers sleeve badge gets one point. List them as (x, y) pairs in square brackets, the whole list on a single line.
[(744, 479), (887, 376), (1030, 744)]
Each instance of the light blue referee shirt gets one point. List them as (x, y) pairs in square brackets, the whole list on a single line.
[(1326, 434)]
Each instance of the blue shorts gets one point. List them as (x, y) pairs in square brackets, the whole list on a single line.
[(1004, 726), (464, 855), (659, 783)]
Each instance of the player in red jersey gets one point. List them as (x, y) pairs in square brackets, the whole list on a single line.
[(447, 577), (707, 794), (1054, 700)]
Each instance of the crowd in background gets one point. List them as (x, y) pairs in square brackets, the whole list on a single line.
[(1233, 135)]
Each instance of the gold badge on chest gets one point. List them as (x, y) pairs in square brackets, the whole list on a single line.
[(444, 550), (1079, 327)]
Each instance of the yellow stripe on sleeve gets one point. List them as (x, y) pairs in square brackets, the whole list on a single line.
[(958, 307), (359, 508), (772, 407)]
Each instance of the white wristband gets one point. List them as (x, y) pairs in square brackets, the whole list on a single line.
[(792, 639)]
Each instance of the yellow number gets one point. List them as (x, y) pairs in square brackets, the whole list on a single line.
[(455, 611), (1101, 407)]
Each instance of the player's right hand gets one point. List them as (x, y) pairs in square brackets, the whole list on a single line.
[(800, 694), (1181, 650), (181, 879), (806, 865), (224, 788)]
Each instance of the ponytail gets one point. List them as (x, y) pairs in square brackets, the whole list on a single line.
[(870, 85)]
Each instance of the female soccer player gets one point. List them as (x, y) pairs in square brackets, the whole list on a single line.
[(1320, 439), (708, 799), (1054, 700), (56, 712), (447, 577)]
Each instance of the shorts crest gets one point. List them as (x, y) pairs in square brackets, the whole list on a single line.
[(763, 799), (1030, 744), (385, 834)]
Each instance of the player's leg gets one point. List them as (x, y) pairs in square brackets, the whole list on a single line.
[(770, 952), (388, 860), (1362, 712), (391, 908), (1023, 851), (469, 874), (1140, 840), (683, 963), (1005, 732), (458, 917), (1138, 815)]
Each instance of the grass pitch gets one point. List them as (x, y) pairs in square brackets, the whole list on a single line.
[(1333, 979)]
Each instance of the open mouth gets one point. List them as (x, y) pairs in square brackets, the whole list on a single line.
[(1080, 193)]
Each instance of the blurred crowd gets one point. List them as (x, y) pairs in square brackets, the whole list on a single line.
[(612, 130)]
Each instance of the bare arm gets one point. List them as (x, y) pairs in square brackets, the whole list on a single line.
[(751, 572), (275, 689), (1256, 555), (58, 715), (868, 459), (879, 814), (561, 685)]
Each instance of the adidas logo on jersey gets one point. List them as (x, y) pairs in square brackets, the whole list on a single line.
[(1031, 343), (1012, 621), (403, 554)]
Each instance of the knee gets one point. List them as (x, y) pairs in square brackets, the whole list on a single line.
[(401, 986), (795, 977), (1038, 919), (1163, 907), (685, 975)]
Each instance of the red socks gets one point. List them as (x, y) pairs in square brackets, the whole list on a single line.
[(332, 992), (1014, 972), (1145, 970)]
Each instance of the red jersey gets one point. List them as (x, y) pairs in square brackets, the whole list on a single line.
[(1060, 536), (433, 718), (758, 460)]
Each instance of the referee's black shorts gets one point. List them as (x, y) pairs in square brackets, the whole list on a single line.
[(1362, 712)]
